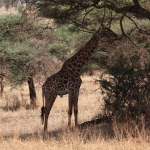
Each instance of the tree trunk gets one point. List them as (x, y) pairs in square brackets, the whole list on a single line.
[(2, 85), (32, 93)]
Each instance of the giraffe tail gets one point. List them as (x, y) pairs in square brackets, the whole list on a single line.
[(42, 109)]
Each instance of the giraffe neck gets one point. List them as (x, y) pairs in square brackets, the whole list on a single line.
[(75, 63)]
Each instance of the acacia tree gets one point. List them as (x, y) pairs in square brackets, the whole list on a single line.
[(87, 14), (25, 62), (21, 67), (18, 61), (90, 13)]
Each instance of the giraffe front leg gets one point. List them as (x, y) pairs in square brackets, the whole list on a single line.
[(76, 101), (76, 112), (47, 111), (70, 109), (48, 105), (76, 107)]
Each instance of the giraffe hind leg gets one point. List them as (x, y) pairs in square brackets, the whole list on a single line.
[(76, 112), (73, 104), (42, 114), (70, 110)]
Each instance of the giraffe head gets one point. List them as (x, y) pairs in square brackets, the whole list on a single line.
[(106, 33)]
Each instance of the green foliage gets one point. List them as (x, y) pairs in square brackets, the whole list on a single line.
[(36, 31), (7, 19), (21, 62), (67, 31), (13, 29), (63, 13), (63, 42), (84, 14), (126, 84), (9, 27), (63, 34), (20, 8), (58, 50), (89, 66), (79, 39)]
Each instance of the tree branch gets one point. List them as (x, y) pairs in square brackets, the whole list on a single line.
[(135, 9), (136, 3)]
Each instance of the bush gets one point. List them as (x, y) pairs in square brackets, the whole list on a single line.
[(126, 83), (14, 102)]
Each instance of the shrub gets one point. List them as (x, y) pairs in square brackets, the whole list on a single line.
[(126, 83), (14, 102)]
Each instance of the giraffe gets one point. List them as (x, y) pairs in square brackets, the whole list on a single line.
[(68, 81)]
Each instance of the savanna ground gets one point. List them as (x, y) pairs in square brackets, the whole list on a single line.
[(21, 127)]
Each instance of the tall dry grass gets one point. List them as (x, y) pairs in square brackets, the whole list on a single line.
[(73, 141)]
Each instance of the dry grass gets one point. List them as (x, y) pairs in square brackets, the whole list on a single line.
[(73, 143), (22, 129)]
